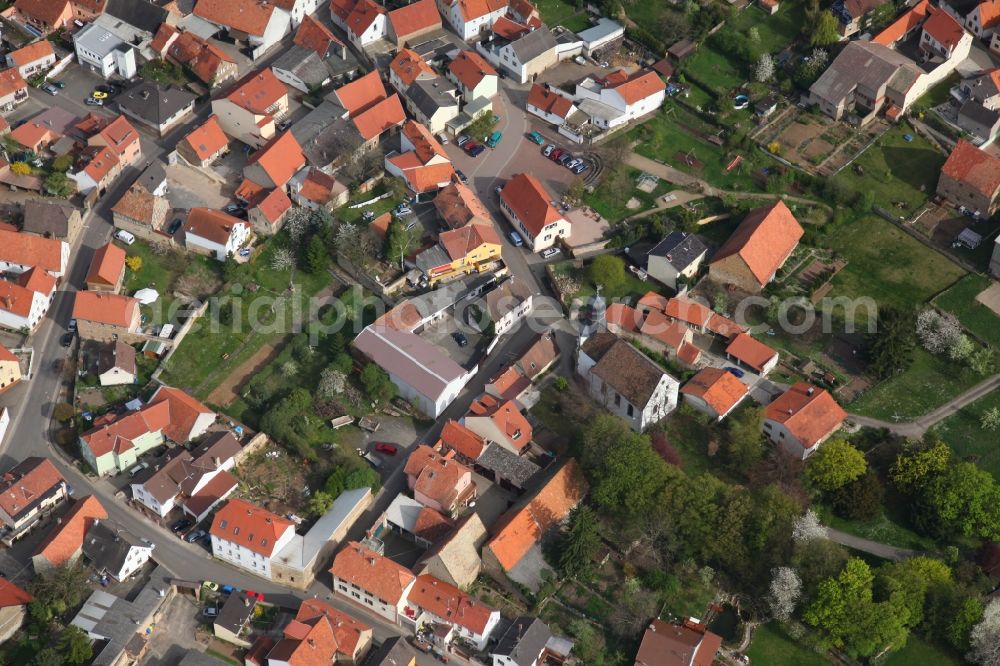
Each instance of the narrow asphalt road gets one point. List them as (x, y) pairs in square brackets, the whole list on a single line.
[(876, 548), (916, 428)]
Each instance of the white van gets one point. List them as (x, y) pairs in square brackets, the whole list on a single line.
[(138, 468), (124, 237)]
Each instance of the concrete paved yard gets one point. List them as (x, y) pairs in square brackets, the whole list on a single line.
[(191, 188), (440, 332)]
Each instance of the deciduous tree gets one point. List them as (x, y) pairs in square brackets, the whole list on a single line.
[(919, 462), (835, 464), (607, 271), (860, 499), (962, 499), (786, 588), (764, 71), (985, 637)]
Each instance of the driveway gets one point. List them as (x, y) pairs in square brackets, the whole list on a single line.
[(175, 633), (191, 187)]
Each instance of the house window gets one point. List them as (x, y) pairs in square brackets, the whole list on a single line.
[(618, 400), (631, 411)]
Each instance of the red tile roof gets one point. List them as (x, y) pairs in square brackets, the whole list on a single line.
[(221, 485), (688, 311), (258, 91), (249, 16), (904, 24), (113, 434), (943, 27), (120, 135), (688, 353), (105, 308), (345, 631), (15, 299), (458, 243), (36, 279), (424, 144), (12, 595), (509, 29), (470, 68), (250, 526), (989, 13), (686, 644), (8, 356), (525, 195), (280, 158), (163, 37), (973, 167), (523, 528), (438, 477), (382, 116), (199, 55), (315, 36), (506, 416), (65, 540), (639, 86), (11, 82), (717, 387), (463, 441), (409, 66), (25, 483), (31, 53), (549, 101), (208, 138), (361, 93), (809, 413), (763, 240), (48, 12), (107, 265), (750, 351), (473, 9), (318, 187), (378, 575), (341, 9), (362, 16), (274, 205), (653, 301), (458, 205), (28, 250), (213, 225), (418, 16), (659, 327), (184, 411), (101, 165), (450, 603)]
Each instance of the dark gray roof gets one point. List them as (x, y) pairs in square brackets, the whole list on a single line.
[(977, 113), (107, 546), (534, 44), (116, 355), (507, 465), (154, 103), (236, 612), (152, 176), (524, 640), (138, 13), (305, 64), (394, 652), (47, 219), (679, 249), (325, 133), (429, 95)]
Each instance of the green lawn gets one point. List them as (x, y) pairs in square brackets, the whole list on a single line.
[(162, 271), (897, 170), (969, 441), (930, 382), (919, 651), (558, 12), (666, 135), (887, 265), (260, 295), (772, 647), (714, 69), (631, 288), (690, 436), (607, 201), (960, 300), (385, 205), (938, 94), (776, 31)]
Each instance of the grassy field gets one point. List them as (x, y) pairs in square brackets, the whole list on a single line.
[(887, 265), (919, 651), (930, 382), (606, 201), (776, 31), (348, 214), (162, 271), (213, 349), (666, 134), (772, 647), (631, 288), (969, 441), (557, 12), (960, 300), (716, 70), (897, 170)]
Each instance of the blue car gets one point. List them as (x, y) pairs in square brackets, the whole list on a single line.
[(735, 372), (516, 239), (474, 152)]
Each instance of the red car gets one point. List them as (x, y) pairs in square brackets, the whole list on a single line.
[(556, 154), (386, 448)]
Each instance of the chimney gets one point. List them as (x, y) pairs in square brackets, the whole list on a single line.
[(810, 390)]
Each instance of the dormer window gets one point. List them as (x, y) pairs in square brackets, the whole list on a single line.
[(236, 531)]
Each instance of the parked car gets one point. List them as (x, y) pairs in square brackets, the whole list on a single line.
[(580, 168), (580, 60), (403, 209), (556, 154), (138, 469), (547, 150), (93, 101), (550, 252), (197, 535), (124, 237), (72, 326), (210, 612), (58, 84), (462, 140), (460, 339), (442, 139), (537, 138), (565, 158), (516, 239), (735, 372), (474, 152), (368, 216), (575, 162), (461, 176), (231, 208), (50, 89), (386, 448), (494, 139), (284, 124), (107, 89), (173, 227), (66, 340), (181, 525)]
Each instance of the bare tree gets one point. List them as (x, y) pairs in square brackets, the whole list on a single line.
[(807, 527), (985, 637), (331, 383), (764, 71), (298, 223), (786, 589)]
